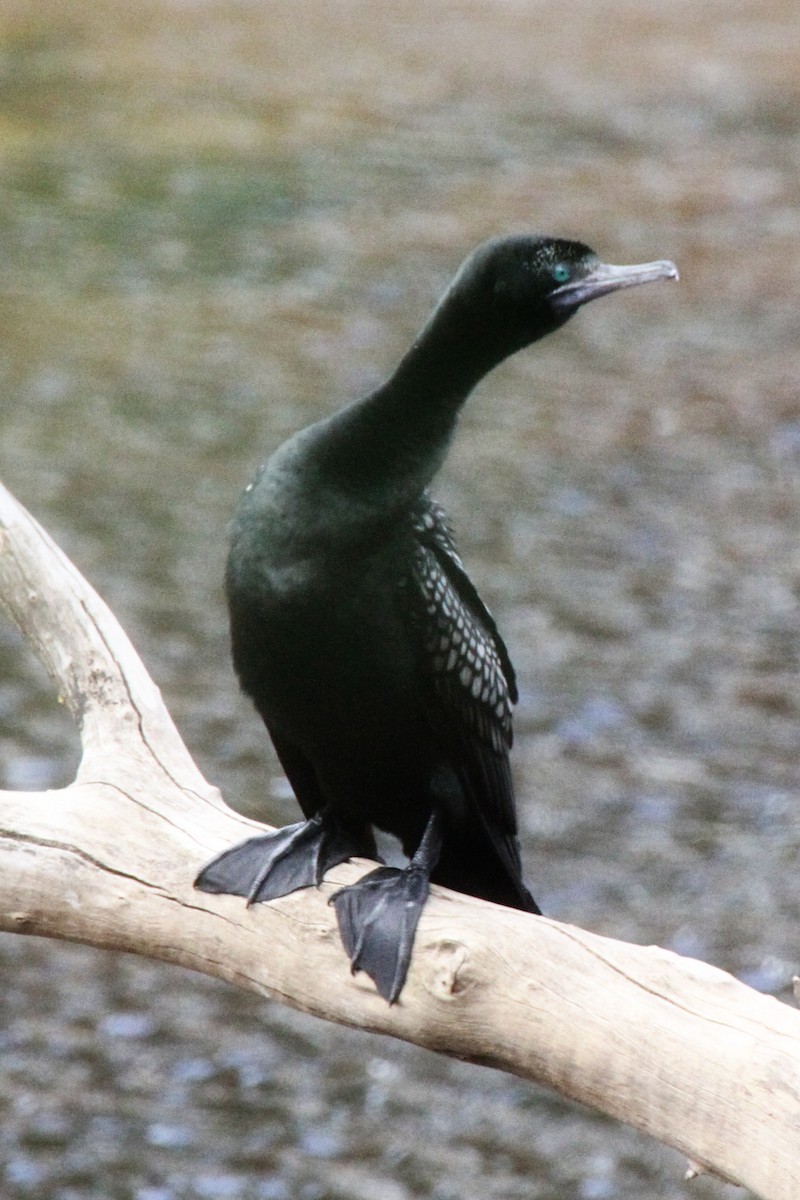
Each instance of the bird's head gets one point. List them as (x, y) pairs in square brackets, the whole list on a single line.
[(517, 289)]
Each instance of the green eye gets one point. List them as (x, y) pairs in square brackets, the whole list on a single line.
[(560, 272)]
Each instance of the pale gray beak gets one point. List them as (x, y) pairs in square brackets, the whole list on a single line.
[(604, 278)]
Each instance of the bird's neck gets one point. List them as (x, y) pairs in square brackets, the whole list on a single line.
[(393, 441), (460, 343), (352, 476)]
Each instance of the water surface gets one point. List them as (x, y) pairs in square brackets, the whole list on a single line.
[(219, 221)]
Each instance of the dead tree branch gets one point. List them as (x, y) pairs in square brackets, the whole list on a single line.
[(669, 1045)]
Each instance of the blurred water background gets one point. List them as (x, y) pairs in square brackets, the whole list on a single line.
[(219, 221)]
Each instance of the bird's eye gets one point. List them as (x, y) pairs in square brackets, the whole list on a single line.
[(560, 272)]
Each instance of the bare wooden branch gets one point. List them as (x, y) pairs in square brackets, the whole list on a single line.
[(669, 1045)]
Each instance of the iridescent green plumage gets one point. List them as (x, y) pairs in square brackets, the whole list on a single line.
[(377, 669)]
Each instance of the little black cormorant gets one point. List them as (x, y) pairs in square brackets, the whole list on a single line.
[(375, 666)]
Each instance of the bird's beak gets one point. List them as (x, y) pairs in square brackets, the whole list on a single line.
[(604, 278)]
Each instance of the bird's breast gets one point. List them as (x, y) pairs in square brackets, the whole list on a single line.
[(322, 647)]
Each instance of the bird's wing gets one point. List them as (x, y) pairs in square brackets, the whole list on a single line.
[(470, 680)]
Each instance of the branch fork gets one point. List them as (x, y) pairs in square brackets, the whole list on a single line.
[(672, 1046)]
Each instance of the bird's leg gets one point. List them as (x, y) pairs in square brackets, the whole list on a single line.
[(378, 915), (297, 856)]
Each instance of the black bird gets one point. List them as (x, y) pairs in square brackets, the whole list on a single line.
[(377, 669)]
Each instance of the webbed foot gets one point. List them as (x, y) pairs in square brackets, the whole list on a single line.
[(378, 915), (378, 918), (297, 856)]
